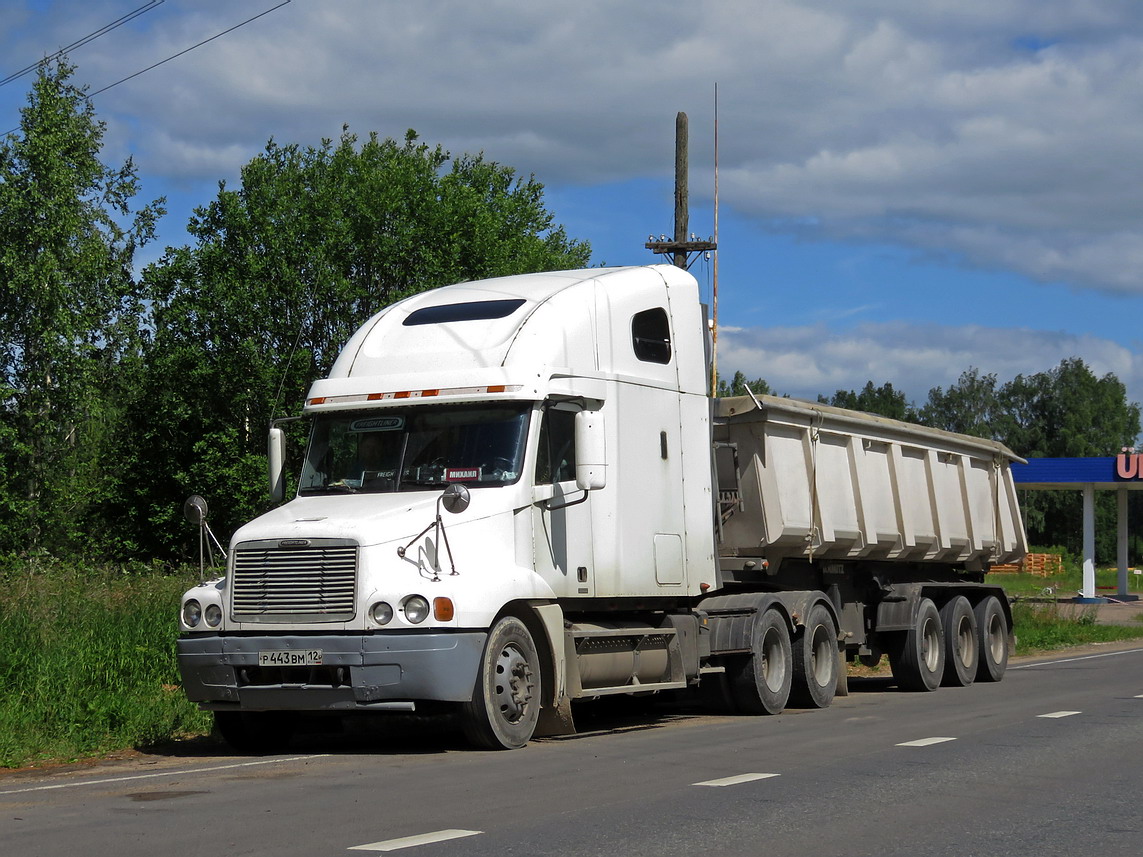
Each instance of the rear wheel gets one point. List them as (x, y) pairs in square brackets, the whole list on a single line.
[(506, 699), (918, 660), (961, 644), (992, 635), (816, 660), (257, 732), (761, 682)]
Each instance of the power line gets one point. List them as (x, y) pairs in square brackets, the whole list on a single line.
[(179, 54), (191, 48), (79, 43)]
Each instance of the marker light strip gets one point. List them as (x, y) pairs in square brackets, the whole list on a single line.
[(413, 394)]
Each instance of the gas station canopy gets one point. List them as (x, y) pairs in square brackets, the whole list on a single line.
[(1120, 473)]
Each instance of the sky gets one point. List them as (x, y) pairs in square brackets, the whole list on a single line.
[(905, 190)]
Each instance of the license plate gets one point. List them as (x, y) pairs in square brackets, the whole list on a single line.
[(299, 658)]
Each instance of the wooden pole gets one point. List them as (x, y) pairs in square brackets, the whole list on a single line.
[(682, 216)]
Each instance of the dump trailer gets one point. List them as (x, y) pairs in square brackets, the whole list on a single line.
[(517, 495)]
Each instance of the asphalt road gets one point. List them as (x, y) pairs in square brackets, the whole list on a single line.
[(1045, 763)]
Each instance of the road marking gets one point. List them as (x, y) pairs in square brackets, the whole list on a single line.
[(733, 781), (925, 742), (1139, 696), (180, 773), (1055, 715), (419, 839), (1080, 658)]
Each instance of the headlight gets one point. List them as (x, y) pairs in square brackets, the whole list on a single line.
[(213, 615), (416, 609), (381, 612), (192, 613)]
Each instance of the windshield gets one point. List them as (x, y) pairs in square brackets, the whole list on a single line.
[(415, 448)]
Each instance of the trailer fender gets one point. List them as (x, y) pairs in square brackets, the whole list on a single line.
[(730, 619)]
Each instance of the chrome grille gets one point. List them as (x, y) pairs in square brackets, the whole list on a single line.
[(274, 583)]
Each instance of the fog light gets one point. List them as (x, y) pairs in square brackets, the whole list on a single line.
[(192, 613), (213, 615), (381, 612), (416, 609)]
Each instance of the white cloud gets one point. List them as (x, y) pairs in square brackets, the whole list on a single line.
[(999, 135), (806, 361)]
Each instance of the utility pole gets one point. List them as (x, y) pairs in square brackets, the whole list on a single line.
[(680, 248)]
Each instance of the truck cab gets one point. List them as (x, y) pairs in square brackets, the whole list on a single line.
[(571, 408)]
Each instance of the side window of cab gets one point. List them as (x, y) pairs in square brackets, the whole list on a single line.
[(651, 335), (555, 461)]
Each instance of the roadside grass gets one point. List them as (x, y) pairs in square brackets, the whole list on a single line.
[(87, 657), (87, 663), (1054, 625)]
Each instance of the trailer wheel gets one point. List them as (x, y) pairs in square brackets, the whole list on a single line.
[(760, 682), (961, 644), (992, 634), (506, 699), (258, 733), (919, 660), (816, 660)]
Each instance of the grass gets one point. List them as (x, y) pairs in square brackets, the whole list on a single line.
[(87, 657), (87, 663), (1052, 625)]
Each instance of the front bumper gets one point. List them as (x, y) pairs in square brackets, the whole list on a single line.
[(358, 671)]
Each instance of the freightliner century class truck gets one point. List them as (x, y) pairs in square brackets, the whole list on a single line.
[(517, 494)]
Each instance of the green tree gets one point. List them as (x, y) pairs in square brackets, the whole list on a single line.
[(970, 406), (1067, 412), (283, 269), (884, 401), (68, 312), (738, 386)]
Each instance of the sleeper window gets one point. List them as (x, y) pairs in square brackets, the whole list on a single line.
[(651, 335)]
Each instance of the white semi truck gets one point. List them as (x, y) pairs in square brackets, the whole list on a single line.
[(518, 494)]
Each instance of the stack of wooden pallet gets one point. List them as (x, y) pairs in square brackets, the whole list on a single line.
[(1039, 564)]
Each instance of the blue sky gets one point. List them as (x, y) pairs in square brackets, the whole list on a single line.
[(906, 189)]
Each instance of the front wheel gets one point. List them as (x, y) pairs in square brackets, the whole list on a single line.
[(506, 699)]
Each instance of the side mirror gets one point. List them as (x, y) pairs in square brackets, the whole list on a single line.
[(276, 456), (455, 498), (590, 451)]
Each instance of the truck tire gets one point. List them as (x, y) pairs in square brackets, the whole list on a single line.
[(961, 643), (992, 635), (258, 733), (918, 661), (506, 699), (760, 682), (816, 660)]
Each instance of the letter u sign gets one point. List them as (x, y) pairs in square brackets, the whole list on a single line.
[(1127, 465)]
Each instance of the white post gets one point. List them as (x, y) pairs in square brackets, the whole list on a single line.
[(1122, 557), (1088, 541)]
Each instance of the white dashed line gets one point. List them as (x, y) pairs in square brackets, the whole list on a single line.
[(1056, 715), (419, 839), (733, 781), (925, 742), (183, 772)]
